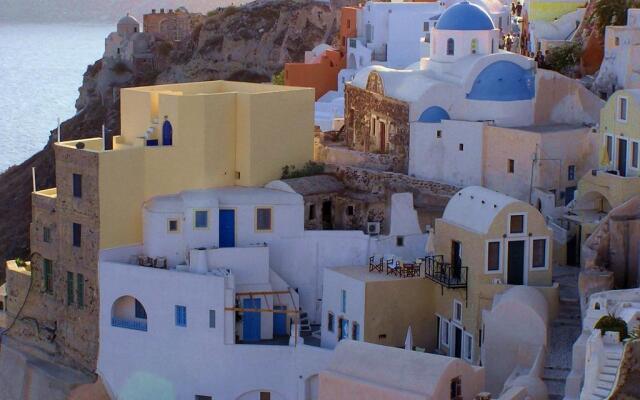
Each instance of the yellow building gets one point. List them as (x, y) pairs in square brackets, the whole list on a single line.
[(616, 180), (485, 243), (173, 138), (195, 136)]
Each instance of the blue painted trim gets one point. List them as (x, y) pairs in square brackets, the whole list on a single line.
[(129, 324)]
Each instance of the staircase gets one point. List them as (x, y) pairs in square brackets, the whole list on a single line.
[(305, 327), (564, 331), (606, 377)]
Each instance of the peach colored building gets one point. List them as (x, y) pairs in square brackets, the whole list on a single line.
[(172, 24), (365, 371), (322, 64)]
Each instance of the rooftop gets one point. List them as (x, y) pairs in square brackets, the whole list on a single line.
[(315, 184), (475, 208), (551, 128), (214, 87), (465, 16), (362, 274)]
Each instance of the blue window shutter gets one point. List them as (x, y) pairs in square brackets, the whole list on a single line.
[(181, 316)]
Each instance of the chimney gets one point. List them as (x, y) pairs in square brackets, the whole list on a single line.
[(162, 11), (153, 11), (170, 11)]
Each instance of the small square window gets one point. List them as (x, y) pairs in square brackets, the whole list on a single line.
[(265, 395), (263, 219), (350, 210), (617, 41), (571, 172), (400, 241), (172, 225), (438, 134), (77, 235), (201, 219), (511, 166), (516, 224), (212, 318), (461, 147), (46, 234)]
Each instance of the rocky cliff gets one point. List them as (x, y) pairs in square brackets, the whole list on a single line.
[(249, 43)]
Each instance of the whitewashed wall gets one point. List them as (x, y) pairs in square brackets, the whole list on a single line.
[(335, 282)]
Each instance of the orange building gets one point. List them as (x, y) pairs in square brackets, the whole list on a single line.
[(322, 64)]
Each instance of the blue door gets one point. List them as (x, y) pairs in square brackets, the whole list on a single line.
[(251, 321), (227, 228), (167, 133), (279, 322)]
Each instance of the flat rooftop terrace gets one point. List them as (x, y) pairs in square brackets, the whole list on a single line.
[(362, 274), (214, 87), (551, 128)]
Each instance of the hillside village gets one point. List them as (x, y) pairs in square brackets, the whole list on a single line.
[(436, 200)]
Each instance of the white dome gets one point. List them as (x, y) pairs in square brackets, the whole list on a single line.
[(128, 20)]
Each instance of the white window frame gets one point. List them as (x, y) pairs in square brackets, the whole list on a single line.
[(524, 224), (177, 224), (486, 257), (613, 147), (467, 336), (630, 155), (546, 253), (445, 333), (618, 109), (457, 303)]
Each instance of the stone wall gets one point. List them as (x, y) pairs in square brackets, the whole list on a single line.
[(68, 333), (627, 383), (363, 108)]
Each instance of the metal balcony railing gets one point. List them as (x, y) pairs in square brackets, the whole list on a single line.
[(136, 325), (446, 274)]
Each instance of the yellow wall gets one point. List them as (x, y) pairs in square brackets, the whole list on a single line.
[(473, 256), (548, 11), (218, 128), (610, 124)]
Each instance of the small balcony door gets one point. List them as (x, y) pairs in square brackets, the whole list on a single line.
[(456, 351), (456, 259)]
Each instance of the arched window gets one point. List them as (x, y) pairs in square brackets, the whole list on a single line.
[(596, 306), (129, 313), (451, 45), (167, 133), (474, 46)]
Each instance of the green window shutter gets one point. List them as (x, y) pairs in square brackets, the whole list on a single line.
[(47, 275), (80, 290), (69, 288)]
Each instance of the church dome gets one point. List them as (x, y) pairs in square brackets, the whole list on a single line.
[(128, 20), (465, 16)]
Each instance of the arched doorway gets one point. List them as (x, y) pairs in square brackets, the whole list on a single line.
[(167, 133), (128, 312)]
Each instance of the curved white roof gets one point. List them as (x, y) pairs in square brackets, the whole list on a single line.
[(419, 373), (475, 208), (406, 85), (527, 296), (128, 20), (321, 48), (211, 198)]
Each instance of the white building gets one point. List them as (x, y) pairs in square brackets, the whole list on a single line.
[(475, 117), (127, 43), (219, 273), (621, 56), (597, 355)]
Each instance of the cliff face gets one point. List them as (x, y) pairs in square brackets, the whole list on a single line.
[(248, 43)]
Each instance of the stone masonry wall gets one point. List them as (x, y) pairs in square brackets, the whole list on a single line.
[(361, 107), (68, 333)]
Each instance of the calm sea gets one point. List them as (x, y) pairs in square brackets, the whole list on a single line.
[(41, 69)]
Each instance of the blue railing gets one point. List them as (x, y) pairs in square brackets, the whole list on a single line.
[(129, 324)]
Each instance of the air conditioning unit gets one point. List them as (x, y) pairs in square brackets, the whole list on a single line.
[(373, 228)]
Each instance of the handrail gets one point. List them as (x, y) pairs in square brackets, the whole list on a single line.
[(446, 274), (136, 325)]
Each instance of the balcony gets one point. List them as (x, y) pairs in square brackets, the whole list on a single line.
[(446, 275), (136, 325)]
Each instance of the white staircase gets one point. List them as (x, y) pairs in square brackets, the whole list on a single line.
[(606, 377)]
